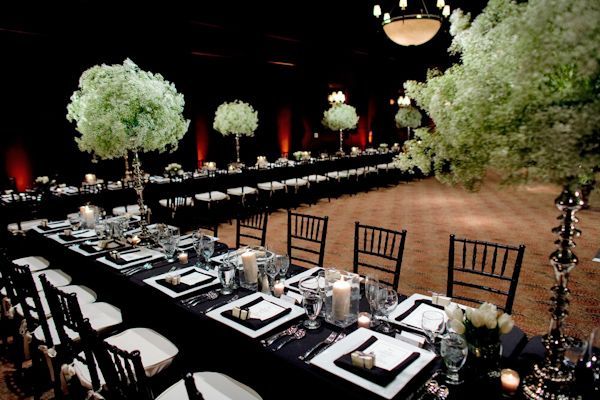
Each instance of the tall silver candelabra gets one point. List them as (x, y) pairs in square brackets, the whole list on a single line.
[(138, 177), (552, 379)]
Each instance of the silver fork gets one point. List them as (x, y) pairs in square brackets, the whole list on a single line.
[(323, 348), (209, 296), (141, 268), (234, 298), (327, 341), (286, 332), (300, 333)]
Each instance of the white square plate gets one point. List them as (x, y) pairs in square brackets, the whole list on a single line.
[(152, 281), (294, 313), (79, 236), (408, 303), (325, 360)]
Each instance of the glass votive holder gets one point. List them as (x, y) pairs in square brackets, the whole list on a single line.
[(364, 320), (183, 257), (278, 289), (510, 381)]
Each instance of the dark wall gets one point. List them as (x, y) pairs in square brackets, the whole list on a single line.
[(271, 57)]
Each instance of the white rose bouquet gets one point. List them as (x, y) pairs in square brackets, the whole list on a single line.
[(340, 117), (42, 180), (43, 183), (480, 326), (236, 118), (174, 169), (302, 155)]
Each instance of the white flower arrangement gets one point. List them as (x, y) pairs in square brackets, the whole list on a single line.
[(262, 162), (383, 146), (236, 118), (174, 169), (42, 180), (355, 151), (340, 117), (120, 108), (408, 117), (302, 155), (479, 325), (525, 98)]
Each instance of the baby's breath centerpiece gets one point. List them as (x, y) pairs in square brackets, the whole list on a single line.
[(340, 117), (120, 108), (524, 100), (408, 117), (236, 118)]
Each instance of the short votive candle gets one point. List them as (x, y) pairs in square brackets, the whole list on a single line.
[(90, 179), (183, 257), (135, 240), (510, 380), (364, 320), (278, 289)]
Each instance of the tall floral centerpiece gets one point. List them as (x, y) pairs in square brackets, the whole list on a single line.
[(525, 101), (120, 108), (481, 328), (236, 118), (340, 117), (408, 117)]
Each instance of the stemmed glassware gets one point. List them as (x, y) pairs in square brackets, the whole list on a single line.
[(454, 350), (387, 301), (100, 229), (226, 274), (75, 221), (433, 325), (312, 301), (283, 264), (205, 247), (371, 287), (272, 270), (169, 240)]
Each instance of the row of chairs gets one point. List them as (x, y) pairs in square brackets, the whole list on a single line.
[(476, 268), (73, 334)]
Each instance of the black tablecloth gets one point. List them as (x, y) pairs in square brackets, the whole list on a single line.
[(206, 344)]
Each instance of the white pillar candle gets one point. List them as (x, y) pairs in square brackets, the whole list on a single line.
[(364, 320), (87, 215), (341, 299), (250, 267), (278, 289), (510, 380)]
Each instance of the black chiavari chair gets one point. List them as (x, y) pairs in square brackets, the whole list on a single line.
[(307, 235), (380, 245), (34, 317), (484, 267), (67, 316), (123, 371), (252, 225)]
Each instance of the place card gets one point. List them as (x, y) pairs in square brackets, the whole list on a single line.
[(289, 299), (411, 338), (127, 257), (195, 278), (265, 310)]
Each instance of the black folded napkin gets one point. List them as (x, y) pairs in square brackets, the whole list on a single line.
[(70, 238), (91, 249), (405, 314), (295, 284), (182, 287), (54, 228), (380, 376), (254, 323)]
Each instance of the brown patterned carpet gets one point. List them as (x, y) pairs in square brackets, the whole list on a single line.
[(430, 211)]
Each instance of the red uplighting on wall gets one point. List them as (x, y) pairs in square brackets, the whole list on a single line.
[(201, 138), (284, 129), (18, 165), (370, 137), (308, 134), (363, 129)]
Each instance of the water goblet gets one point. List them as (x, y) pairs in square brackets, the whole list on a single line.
[(272, 270), (454, 351), (208, 248), (312, 301), (226, 274), (387, 300), (283, 263), (168, 240), (433, 324), (100, 229), (198, 247), (371, 286), (75, 221)]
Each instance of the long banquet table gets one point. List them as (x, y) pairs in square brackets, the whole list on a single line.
[(206, 344)]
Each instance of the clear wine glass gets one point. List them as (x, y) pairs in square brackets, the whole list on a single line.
[(100, 229), (387, 299), (454, 352), (433, 324), (371, 288), (75, 221), (198, 247), (168, 240), (272, 270), (208, 249), (312, 301), (283, 263)]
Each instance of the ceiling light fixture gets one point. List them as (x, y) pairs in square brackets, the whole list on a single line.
[(414, 24)]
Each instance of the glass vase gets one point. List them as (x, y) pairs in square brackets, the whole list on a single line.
[(484, 358)]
